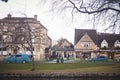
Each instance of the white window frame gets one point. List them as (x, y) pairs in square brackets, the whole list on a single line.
[(85, 44), (5, 28), (104, 44), (117, 43)]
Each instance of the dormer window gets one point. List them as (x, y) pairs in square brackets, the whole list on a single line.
[(104, 44), (117, 43)]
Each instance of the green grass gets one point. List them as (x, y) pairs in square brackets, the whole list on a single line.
[(69, 67)]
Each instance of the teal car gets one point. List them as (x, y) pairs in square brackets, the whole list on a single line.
[(18, 58), (99, 58)]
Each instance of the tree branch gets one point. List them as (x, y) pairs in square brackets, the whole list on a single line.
[(96, 11)]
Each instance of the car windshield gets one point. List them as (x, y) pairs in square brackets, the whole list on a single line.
[(12, 56)]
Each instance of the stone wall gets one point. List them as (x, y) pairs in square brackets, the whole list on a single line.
[(60, 75)]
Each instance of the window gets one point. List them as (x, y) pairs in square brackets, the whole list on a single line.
[(85, 44), (5, 28), (17, 56), (104, 44), (12, 56), (117, 43), (28, 49), (33, 40)]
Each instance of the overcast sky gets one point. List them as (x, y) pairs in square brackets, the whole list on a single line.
[(58, 25)]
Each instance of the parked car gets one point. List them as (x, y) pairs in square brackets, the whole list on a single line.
[(99, 58), (18, 58)]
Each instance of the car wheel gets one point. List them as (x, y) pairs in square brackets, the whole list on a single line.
[(24, 62)]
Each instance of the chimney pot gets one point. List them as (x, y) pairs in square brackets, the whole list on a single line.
[(35, 17), (9, 15)]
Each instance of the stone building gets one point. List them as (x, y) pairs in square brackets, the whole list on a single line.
[(16, 33), (65, 49), (62, 43), (89, 44)]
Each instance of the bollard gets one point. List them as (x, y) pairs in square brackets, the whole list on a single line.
[(62, 60), (57, 60)]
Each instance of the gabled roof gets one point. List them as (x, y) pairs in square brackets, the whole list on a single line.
[(97, 38), (64, 43), (110, 38), (80, 32)]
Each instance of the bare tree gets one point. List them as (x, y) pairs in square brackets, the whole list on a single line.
[(106, 10), (21, 36), (4, 0)]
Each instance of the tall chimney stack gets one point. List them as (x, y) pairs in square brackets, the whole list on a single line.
[(9, 15)]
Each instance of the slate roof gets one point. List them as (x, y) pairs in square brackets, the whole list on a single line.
[(23, 19), (110, 38), (97, 37), (80, 32)]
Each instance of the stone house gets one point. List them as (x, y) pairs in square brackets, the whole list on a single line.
[(62, 43), (65, 49), (89, 44), (15, 32), (66, 53)]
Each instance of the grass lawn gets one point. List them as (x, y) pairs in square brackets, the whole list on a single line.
[(65, 67)]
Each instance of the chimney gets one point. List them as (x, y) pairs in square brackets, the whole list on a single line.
[(35, 17), (9, 15)]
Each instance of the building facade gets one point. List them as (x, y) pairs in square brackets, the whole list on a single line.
[(89, 44), (17, 34), (65, 49)]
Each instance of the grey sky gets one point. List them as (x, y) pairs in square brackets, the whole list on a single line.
[(58, 25)]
